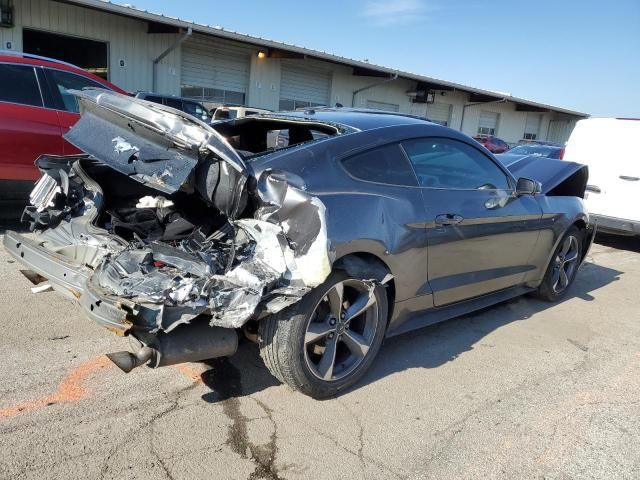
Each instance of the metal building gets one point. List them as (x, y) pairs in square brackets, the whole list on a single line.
[(139, 50)]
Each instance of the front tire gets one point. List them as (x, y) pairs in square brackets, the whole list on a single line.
[(327, 341), (563, 268)]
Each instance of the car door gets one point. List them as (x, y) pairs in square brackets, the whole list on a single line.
[(480, 234), (27, 128), (59, 82)]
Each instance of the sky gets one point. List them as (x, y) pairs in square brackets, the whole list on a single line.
[(578, 54)]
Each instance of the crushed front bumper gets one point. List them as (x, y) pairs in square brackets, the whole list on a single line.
[(74, 280)]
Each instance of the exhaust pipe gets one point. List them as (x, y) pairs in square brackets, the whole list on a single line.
[(187, 343)]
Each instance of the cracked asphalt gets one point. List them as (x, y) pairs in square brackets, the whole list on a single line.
[(526, 389)]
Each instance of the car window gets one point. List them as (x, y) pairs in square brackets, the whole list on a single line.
[(65, 81), (196, 110), (18, 84), (447, 163), (153, 98), (173, 103), (382, 165)]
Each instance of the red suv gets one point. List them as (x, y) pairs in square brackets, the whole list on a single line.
[(493, 144), (36, 109)]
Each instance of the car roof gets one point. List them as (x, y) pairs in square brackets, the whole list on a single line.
[(360, 119), (37, 61)]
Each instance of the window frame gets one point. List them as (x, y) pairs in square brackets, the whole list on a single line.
[(34, 69), (511, 181)]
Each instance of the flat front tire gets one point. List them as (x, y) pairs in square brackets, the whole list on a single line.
[(325, 343)]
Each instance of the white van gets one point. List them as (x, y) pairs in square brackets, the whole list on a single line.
[(610, 147)]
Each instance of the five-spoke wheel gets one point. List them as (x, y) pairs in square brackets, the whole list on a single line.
[(341, 329), (326, 341)]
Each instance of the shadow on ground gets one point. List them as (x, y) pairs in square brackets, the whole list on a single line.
[(619, 242), (245, 374)]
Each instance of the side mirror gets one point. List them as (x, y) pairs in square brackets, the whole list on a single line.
[(527, 186)]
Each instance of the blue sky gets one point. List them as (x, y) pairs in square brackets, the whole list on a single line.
[(579, 54)]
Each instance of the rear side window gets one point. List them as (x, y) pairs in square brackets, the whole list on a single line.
[(447, 163), (153, 98), (65, 81), (173, 103), (196, 110), (382, 165), (18, 84)]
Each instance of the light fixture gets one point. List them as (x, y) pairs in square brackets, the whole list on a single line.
[(262, 54)]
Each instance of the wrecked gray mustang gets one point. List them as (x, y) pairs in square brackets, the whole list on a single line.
[(312, 233)]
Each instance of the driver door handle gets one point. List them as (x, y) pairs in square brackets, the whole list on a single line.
[(448, 219)]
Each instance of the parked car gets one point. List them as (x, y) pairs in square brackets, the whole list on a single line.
[(187, 105), (180, 235), (493, 144), (229, 112), (537, 149), (36, 109), (609, 146)]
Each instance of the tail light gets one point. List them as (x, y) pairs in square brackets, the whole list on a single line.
[(562, 153)]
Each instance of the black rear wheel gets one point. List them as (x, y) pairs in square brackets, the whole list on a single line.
[(326, 341)]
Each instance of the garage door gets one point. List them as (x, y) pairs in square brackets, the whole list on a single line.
[(439, 113), (215, 71), (532, 126), (303, 86), (488, 123), (389, 107)]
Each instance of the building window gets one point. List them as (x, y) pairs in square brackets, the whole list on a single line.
[(213, 95), (288, 105), (488, 124), (532, 126)]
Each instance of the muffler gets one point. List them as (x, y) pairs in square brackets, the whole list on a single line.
[(187, 343)]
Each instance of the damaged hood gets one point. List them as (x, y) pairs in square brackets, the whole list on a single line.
[(156, 145), (551, 173)]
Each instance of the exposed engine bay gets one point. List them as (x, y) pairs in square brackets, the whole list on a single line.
[(163, 212)]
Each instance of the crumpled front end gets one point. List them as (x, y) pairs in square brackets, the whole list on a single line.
[(162, 227)]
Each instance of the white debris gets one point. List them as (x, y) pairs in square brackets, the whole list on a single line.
[(43, 287), (153, 202)]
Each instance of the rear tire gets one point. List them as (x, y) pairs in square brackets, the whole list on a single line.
[(321, 345), (563, 267)]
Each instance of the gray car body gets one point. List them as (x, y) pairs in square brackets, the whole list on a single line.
[(438, 271)]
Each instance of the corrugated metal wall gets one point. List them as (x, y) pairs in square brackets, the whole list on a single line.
[(127, 38)]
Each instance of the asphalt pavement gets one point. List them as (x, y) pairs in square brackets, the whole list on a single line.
[(526, 389)]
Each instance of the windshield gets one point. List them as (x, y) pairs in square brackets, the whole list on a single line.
[(547, 151)]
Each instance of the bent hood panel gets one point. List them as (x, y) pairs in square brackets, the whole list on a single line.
[(548, 171), (153, 144)]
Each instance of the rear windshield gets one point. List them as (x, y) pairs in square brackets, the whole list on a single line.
[(256, 136), (547, 151)]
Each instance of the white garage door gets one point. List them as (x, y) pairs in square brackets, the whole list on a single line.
[(215, 70), (532, 126), (389, 107), (303, 85), (439, 113), (488, 123)]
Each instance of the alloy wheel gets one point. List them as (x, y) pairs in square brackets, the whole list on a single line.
[(341, 330), (565, 264)]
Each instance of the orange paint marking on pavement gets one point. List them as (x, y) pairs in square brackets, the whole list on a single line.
[(71, 389), (191, 372)]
